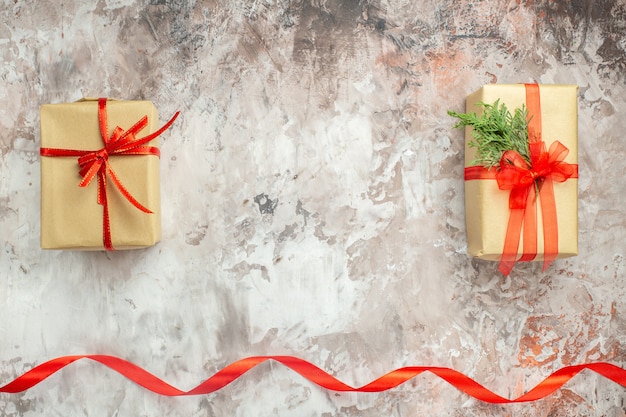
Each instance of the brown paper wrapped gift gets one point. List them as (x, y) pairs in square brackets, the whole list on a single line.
[(487, 207), (71, 217)]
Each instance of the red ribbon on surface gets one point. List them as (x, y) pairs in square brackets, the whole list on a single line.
[(316, 375), (96, 163), (525, 181)]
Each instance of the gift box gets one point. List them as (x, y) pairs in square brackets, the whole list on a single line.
[(100, 175), (489, 217)]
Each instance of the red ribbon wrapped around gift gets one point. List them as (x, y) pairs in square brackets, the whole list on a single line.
[(525, 183), (94, 164)]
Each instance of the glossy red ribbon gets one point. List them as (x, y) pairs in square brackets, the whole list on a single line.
[(94, 164), (526, 181), (316, 375)]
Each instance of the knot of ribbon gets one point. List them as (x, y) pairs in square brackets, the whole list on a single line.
[(95, 164), (526, 180), (521, 178)]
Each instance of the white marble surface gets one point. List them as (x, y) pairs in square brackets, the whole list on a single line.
[(312, 206)]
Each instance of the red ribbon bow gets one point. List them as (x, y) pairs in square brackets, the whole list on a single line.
[(96, 163), (517, 175)]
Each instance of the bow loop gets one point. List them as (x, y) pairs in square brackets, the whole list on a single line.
[(560, 171)]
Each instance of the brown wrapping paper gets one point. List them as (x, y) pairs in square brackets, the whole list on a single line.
[(486, 206), (71, 218)]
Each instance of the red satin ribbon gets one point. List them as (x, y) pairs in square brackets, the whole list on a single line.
[(96, 163), (316, 375), (526, 181)]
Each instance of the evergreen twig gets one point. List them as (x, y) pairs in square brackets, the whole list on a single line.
[(496, 131)]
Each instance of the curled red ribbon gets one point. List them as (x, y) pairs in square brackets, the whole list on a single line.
[(522, 178), (316, 375), (94, 164)]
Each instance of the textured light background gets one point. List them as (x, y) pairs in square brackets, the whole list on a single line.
[(312, 206)]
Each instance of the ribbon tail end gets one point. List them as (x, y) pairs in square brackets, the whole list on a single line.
[(546, 263), (506, 267)]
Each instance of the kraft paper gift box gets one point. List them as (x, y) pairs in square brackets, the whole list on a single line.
[(71, 217), (487, 207)]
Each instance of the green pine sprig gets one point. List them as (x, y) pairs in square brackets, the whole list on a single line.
[(495, 131)]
